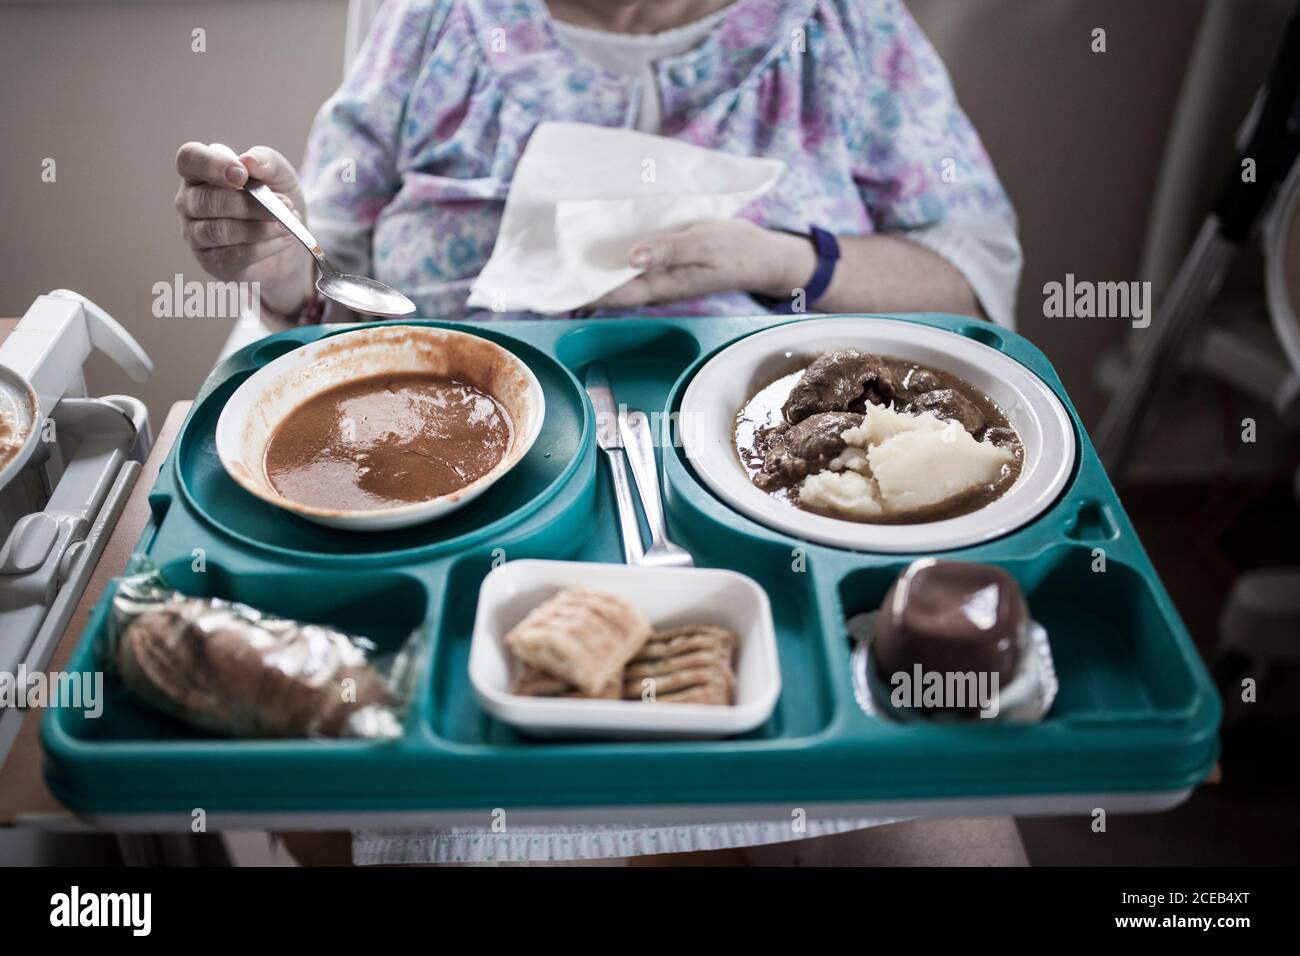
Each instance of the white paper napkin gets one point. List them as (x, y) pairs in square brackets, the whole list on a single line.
[(583, 195)]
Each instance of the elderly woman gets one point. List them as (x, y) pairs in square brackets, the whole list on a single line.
[(409, 163), (888, 201)]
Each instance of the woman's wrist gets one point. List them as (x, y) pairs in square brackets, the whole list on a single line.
[(788, 262), (288, 296)]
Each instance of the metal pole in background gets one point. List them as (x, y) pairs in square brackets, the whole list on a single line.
[(1272, 146)]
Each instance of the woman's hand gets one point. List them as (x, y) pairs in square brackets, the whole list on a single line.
[(723, 255), (876, 273), (231, 235)]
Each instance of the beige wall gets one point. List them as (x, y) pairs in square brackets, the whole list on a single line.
[(1077, 138), (110, 89)]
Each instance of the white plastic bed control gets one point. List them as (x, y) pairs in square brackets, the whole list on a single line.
[(67, 465)]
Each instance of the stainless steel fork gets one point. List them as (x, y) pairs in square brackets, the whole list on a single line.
[(639, 445)]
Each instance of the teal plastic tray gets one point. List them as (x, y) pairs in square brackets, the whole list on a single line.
[(1136, 712)]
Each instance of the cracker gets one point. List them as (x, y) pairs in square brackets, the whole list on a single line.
[(687, 665), (531, 682), (580, 636), (692, 637)]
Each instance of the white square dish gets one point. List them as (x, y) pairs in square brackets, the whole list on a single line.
[(668, 597)]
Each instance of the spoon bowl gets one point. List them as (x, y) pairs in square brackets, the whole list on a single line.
[(358, 293), (364, 295)]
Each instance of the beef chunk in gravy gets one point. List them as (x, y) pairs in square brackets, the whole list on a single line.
[(835, 382), (900, 383), (950, 405), (799, 450), (790, 430), (846, 380)]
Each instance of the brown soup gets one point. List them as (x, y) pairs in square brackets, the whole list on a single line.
[(385, 441), (8, 436)]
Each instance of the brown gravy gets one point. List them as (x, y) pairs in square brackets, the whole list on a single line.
[(6, 430), (764, 411), (385, 441), (10, 438)]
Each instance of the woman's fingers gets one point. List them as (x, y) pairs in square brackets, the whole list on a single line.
[(723, 255), (230, 234), (269, 166), (215, 202), (213, 175), (627, 296), (239, 262), (662, 285), (694, 245), (678, 265), (211, 233), (199, 163)]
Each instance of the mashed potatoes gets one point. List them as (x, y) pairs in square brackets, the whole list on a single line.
[(880, 423), (898, 463), (844, 493)]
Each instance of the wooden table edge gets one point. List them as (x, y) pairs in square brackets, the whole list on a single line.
[(24, 797)]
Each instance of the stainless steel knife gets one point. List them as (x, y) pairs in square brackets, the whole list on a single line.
[(611, 443)]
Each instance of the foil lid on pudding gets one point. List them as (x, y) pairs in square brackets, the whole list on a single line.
[(951, 617)]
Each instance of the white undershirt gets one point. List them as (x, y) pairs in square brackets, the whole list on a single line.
[(634, 55)]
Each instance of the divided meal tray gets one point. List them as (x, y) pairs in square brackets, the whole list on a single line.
[(1136, 713)]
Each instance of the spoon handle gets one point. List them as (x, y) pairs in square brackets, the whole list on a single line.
[(271, 202)]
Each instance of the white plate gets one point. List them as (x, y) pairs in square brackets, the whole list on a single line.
[(257, 408), (730, 378), (668, 597)]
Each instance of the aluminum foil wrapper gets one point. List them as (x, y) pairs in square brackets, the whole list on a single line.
[(1025, 700), (231, 669)]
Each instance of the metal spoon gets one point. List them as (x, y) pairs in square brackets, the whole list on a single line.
[(358, 293), (639, 442)]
